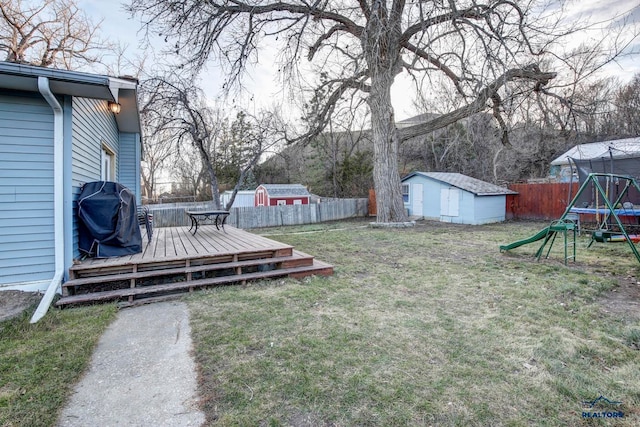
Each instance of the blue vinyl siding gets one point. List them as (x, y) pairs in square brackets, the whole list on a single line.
[(129, 162), (26, 189), (92, 126)]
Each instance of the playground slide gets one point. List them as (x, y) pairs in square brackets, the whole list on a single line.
[(538, 236)]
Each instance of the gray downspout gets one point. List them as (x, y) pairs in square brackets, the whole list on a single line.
[(58, 198)]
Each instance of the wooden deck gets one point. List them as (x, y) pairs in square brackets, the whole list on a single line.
[(176, 261)]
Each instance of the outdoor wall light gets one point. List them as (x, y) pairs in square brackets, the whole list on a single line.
[(114, 107)]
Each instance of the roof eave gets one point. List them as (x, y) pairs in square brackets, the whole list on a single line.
[(506, 193), (22, 77)]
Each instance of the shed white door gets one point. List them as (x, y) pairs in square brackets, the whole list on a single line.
[(449, 202), (417, 197)]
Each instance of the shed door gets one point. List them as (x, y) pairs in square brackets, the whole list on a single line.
[(417, 196), (449, 202)]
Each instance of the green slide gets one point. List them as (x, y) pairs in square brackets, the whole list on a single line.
[(538, 236)]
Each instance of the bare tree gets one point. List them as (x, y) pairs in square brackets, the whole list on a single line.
[(358, 48), (177, 107), (628, 107), (158, 149), (49, 33), (189, 173), (344, 153), (251, 137)]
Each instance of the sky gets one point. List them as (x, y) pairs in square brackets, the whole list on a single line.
[(118, 27)]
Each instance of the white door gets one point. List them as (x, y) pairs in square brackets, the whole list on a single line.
[(449, 202), (106, 170), (417, 200)]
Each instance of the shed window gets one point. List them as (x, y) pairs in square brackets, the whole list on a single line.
[(281, 202), (405, 193)]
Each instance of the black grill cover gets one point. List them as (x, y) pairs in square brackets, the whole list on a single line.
[(108, 221)]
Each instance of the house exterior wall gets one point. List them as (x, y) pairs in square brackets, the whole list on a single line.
[(430, 197), (28, 248), (264, 198), (26, 191), (129, 161), (92, 126), (466, 207)]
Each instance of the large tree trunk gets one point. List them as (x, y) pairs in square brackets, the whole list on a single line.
[(386, 176), (381, 44)]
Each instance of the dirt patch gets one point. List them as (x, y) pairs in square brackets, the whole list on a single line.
[(13, 303), (624, 300)]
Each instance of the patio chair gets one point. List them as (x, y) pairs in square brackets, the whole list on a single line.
[(145, 218)]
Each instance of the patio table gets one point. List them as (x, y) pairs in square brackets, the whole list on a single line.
[(218, 217)]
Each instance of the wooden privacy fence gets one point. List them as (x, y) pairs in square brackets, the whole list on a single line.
[(265, 216), (544, 201)]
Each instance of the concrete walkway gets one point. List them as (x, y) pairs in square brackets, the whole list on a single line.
[(141, 373)]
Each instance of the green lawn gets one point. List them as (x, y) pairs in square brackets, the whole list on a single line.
[(423, 326), (40, 363)]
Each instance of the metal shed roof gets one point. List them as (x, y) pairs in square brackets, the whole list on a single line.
[(286, 190), (629, 147), (464, 182)]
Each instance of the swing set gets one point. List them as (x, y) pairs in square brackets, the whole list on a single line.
[(609, 212), (607, 217)]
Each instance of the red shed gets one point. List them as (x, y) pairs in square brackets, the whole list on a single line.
[(281, 194)]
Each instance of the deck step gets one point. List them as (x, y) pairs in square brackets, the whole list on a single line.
[(297, 259), (317, 268)]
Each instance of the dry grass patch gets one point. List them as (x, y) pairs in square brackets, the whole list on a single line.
[(424, 326)]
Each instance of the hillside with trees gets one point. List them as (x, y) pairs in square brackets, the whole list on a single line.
[(339, 164)]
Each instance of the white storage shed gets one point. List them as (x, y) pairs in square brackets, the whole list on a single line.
[(453, 197)]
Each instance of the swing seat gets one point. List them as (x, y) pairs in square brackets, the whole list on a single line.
[(602, 236), (606, 236)]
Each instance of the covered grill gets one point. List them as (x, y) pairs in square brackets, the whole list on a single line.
[(108, 221)]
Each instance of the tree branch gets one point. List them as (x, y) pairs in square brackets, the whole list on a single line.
[(531, 73)]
